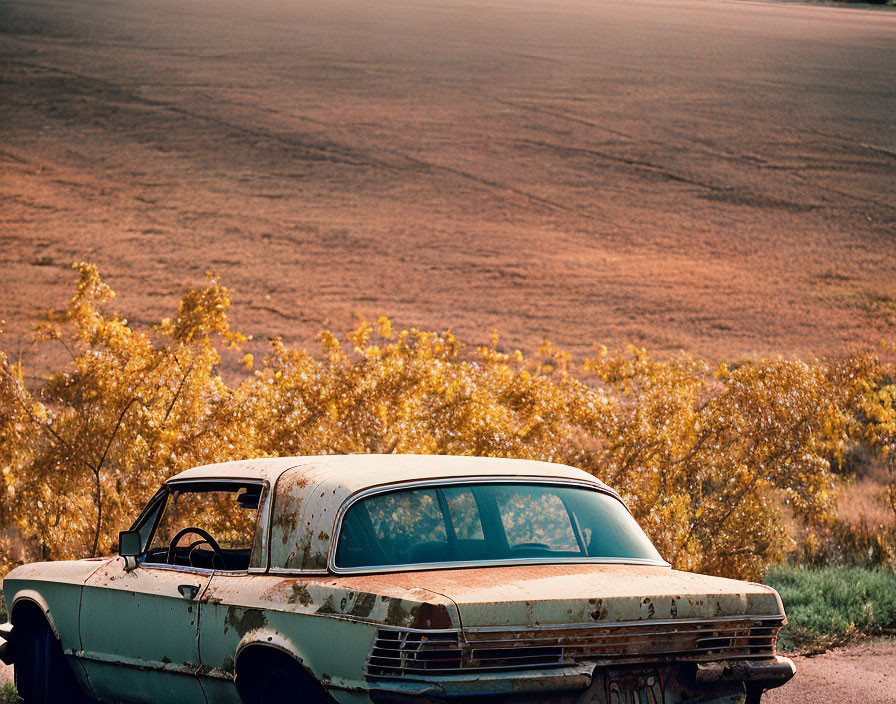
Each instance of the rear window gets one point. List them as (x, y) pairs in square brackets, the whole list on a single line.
[(489, 522)]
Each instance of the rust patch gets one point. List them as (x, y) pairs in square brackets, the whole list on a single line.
[(300, 595), (364, 605), (288, 503), (600, 610), (306, 551), (431, 616), (244, 620), (648, 609), (323, 536), (396, 613), (419, 616), (327, 606)]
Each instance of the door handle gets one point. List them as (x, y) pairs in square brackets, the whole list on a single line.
[(188, 591)]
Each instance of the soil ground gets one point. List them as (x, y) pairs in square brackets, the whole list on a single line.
[(712, 176), (862, 674)]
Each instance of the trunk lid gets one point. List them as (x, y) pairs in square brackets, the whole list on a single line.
[(536, 595)]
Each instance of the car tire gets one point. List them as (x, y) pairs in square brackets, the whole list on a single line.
[(42, 674), (276, 677), (754, 695)]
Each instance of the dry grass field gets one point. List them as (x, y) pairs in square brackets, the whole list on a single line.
[(712, 176), (706, 175)]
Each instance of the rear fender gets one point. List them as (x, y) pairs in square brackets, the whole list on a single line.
[(274, 640)]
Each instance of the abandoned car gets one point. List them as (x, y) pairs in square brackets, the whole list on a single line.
[(388, 579)]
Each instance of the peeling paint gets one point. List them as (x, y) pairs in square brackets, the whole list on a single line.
[(647, 608), (600, 611), (364, 605), (327, 606), (244, 620), (300, 595)]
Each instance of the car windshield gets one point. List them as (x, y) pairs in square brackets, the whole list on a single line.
[(489, 522)]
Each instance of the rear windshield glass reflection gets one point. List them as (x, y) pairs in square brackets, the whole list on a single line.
[(485, 522)]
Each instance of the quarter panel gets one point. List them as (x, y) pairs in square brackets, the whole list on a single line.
[(327, 624)]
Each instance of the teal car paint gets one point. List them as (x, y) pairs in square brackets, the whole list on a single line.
[(391, 579)]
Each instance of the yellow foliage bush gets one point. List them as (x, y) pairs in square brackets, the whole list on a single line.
[(710, 461)]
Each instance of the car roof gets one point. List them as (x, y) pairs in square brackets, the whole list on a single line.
[(311, 490), (352, 473)]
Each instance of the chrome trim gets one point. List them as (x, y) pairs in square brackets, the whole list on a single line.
[(626, 624), (428, 566), (186, 669), (352, 499), (729, 642), (297, 573), (175, 568), (590, 626), (217, 480), (477, 684), (263, 513), (772, 672)]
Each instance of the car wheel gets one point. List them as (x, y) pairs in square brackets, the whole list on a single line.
[(42, 674), (277, 687), (274, 677), (754, 695)]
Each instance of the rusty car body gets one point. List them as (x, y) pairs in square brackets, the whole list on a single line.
[(388, 579)]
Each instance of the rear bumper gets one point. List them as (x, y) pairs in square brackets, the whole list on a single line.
[(719, 681), (549, 684), (6, 649), (544, 681), (764, 674)]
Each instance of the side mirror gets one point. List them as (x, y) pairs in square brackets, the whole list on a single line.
[(129, 543)]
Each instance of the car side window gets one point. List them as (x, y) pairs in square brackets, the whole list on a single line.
[(208, 526)]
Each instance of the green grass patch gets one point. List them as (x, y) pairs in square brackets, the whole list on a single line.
[(833, 606), (8, 694)]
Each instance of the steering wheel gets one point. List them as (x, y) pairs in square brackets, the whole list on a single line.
[(172, 546)]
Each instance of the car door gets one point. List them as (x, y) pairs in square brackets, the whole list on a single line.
[(232, 606), (140, 633)]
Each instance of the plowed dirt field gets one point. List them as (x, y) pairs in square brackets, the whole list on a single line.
[(712, 176)]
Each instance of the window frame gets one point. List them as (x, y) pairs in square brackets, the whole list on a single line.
[(461, 481), (262, 519)]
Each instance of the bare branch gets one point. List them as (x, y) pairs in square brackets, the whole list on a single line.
[(177, 393), (96, 474)]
